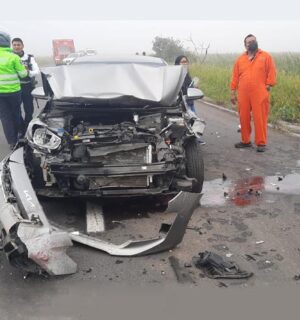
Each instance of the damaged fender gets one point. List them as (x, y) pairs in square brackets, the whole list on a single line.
[(27, 238), (30, 242)]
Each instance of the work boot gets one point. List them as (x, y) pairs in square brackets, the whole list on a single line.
[(261, 148), (241, 145)]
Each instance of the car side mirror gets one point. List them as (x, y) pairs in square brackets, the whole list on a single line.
[(194, 94)]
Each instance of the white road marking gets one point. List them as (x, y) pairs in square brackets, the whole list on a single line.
[(94, 218)]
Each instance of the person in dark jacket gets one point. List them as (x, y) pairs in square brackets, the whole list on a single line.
[(28, 83), (188, 82), (11, 71)]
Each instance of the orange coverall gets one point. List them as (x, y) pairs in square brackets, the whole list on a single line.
[(250, 78)]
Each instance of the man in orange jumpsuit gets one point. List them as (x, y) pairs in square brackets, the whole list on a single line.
[(253, 76)]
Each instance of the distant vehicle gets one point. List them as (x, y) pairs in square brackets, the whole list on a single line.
[(72, 56), (61, 49), (90, 52)]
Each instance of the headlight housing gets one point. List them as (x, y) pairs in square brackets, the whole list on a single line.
[(41, 137), (46, 139)]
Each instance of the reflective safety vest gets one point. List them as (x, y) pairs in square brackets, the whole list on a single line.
[(11, 70)]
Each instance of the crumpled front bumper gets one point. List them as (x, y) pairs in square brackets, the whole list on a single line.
[(32, 243)]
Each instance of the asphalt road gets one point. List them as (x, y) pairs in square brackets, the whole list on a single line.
[(252, 216)]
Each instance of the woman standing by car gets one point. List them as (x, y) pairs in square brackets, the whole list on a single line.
[(188, 82)]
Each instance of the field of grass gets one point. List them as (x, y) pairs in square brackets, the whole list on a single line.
[(215, 74)]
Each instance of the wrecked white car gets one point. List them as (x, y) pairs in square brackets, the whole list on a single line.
[(109, 128)]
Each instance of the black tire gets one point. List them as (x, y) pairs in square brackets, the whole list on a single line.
[(194, 164)]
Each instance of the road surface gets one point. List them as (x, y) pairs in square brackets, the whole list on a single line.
[(253, 217)]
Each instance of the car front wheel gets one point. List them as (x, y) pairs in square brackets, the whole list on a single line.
[(194, 164)]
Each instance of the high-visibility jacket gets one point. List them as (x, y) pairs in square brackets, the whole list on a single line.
[(11, 70)]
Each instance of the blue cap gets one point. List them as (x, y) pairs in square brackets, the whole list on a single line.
[(4, 39)]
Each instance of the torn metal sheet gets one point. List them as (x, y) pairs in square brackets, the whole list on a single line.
[(183, 205), (31, 243)]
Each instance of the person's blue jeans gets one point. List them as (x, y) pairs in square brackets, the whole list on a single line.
[(191, 106)]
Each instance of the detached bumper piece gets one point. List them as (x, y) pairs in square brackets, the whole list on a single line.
[(183, 205), (27, 238), (30, 242)]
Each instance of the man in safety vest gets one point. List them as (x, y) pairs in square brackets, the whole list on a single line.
[(11, 70), (28, 83), (253, 77)]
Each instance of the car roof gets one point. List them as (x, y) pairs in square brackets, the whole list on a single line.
[(120, 59)]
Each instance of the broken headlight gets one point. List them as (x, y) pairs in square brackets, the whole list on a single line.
[(46, 139)]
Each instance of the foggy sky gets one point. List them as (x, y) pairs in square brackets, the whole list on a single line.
[(150, 10), (126, 27)]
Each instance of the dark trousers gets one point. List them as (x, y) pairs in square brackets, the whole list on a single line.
[(10, 115), (27, 100)]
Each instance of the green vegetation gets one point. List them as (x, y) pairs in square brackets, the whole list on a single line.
[(215, 75)]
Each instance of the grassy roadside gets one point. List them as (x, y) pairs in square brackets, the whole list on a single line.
[(215, 74)]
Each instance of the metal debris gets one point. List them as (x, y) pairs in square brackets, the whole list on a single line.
[(216, 267), (249, 257), (183, 204)]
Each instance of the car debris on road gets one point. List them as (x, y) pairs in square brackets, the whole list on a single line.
[(127, 137), (216, 267)]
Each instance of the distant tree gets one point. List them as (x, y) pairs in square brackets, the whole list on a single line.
[(167, 48), (199, 52), (170, 48)]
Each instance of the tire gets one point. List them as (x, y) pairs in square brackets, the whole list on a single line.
[(194, 164)]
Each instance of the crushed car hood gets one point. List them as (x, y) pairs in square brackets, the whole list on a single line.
[(122, 83)]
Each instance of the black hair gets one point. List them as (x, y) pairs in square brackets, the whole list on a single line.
[(187, 79), (178, 59), (17, 40), (248, 36)]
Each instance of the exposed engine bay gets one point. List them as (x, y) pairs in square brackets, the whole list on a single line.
[(82, 151)]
